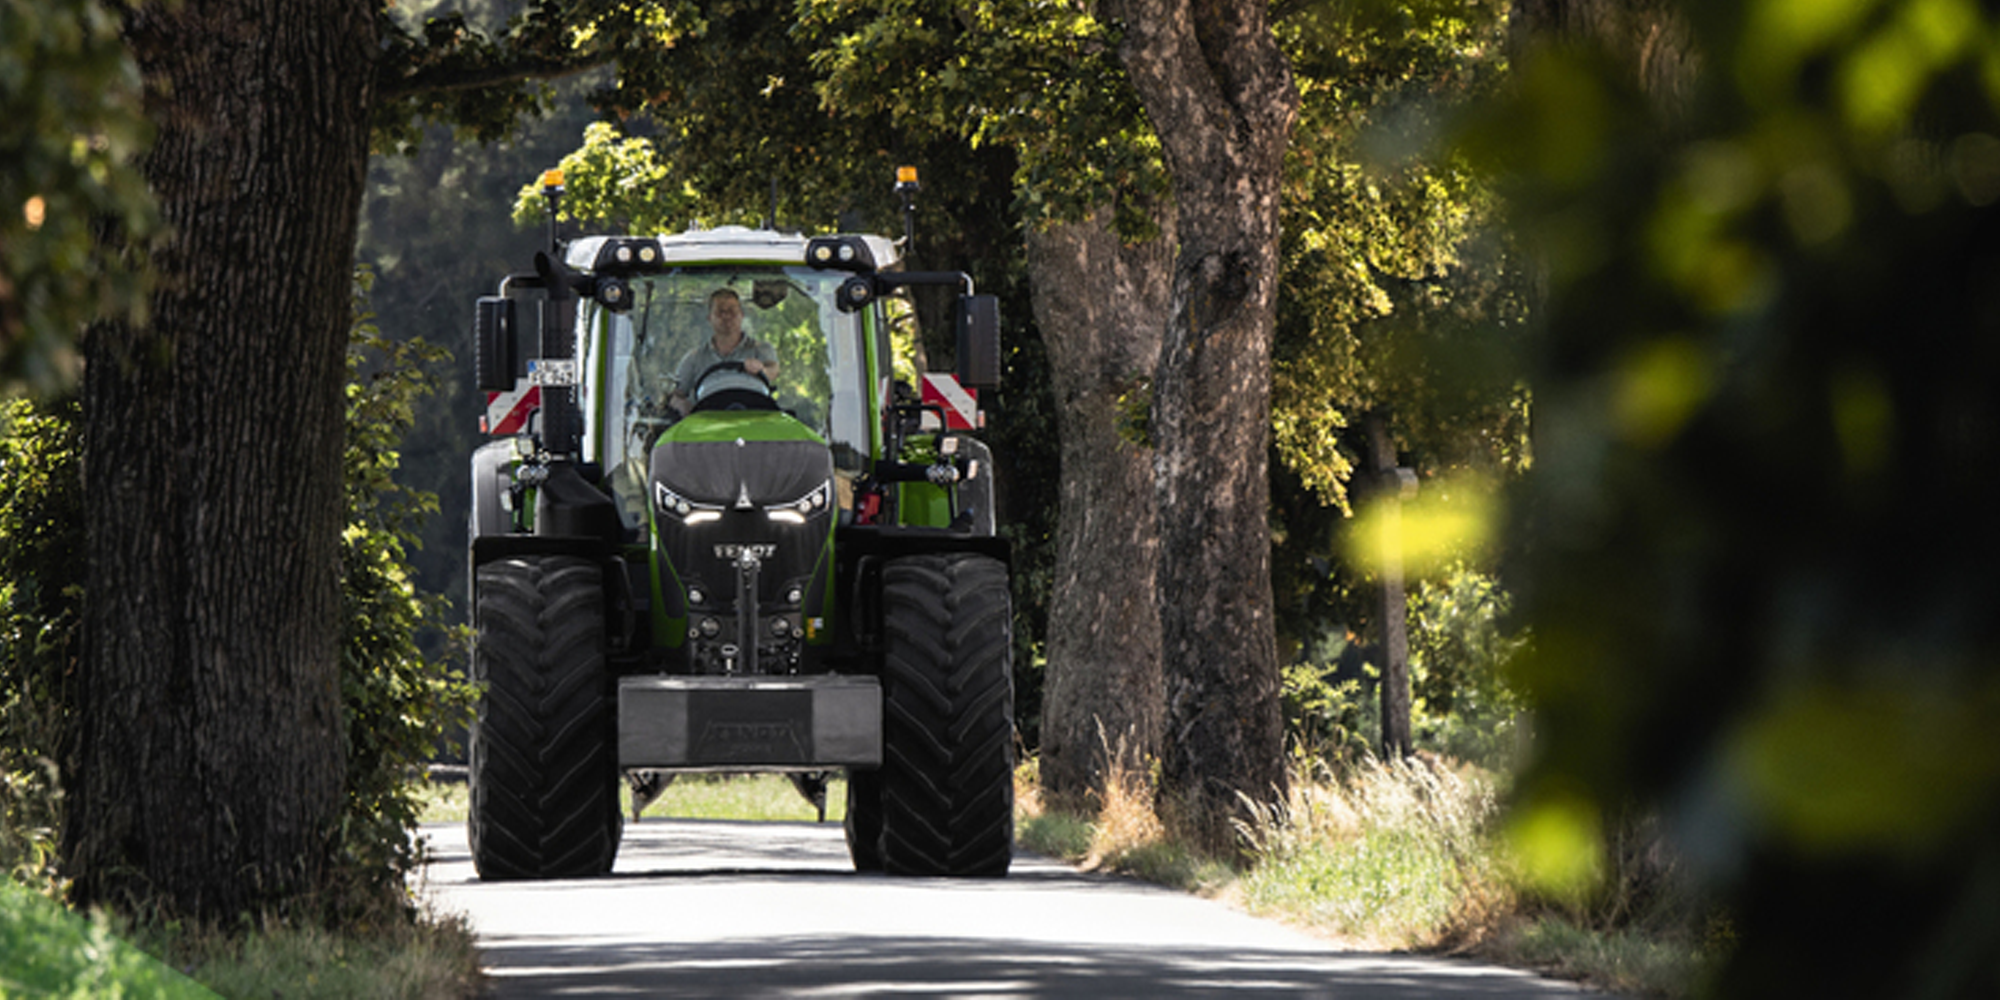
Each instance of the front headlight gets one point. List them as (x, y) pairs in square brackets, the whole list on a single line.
[(796, 511), (666, 501)]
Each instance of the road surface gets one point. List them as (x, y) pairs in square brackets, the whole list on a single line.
[(701, 908)]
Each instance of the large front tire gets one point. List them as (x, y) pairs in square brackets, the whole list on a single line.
[(544, 777), (947, 777)]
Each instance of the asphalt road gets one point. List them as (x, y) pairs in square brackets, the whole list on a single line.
[(723, 909)]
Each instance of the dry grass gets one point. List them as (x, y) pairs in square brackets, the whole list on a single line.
[(1385, 856), (1390, 855)]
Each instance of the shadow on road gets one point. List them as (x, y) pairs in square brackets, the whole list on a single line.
[(866, 965), (730, 909)]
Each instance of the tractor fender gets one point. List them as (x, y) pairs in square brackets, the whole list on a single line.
[(492, 476)]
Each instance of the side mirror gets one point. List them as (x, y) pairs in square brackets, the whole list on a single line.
[(979, 341), (496, 352)]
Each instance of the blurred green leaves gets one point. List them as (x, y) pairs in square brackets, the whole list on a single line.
[(71, 133), (1873, 768), (1754, 548)]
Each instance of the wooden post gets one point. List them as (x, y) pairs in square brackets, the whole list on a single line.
[(1389, 491)]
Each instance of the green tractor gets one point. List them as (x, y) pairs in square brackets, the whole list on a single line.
[(714, 533)]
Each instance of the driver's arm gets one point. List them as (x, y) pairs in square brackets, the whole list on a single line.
[(765, 362), (678, 400)]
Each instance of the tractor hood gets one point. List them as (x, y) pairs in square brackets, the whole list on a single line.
[(740, 460)]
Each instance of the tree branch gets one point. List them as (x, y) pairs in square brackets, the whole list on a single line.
[(455, 78)]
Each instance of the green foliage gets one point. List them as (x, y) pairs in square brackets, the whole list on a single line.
[(1755, 547), (398, 703), (47, 951), (483, 74), (435, 232), (41, 587), (1398, 292), (1462, 707), (1401, 290), (1043, 80), (614, 183), (1327, 717), (75, 213), (1460, 648), (728, 129)]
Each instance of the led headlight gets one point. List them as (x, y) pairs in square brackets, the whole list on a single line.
[(666, 501), (798, 510)]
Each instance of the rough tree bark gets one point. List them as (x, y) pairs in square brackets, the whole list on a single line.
[(1220, 96), (1102, 307), (210, 758)]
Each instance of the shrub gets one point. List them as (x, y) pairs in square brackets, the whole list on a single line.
[(41, 576), (397, 703)]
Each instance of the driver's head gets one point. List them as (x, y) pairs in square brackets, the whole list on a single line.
[(725, 313)]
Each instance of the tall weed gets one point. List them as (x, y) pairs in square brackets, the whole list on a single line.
[(1393, 854)]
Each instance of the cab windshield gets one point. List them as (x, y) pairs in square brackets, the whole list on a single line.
[(662, 347)]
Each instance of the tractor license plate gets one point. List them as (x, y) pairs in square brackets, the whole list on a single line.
[(746, 723), (751, 727)]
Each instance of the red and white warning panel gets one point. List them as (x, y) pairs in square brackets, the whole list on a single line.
[(507, 412), (960, 405)]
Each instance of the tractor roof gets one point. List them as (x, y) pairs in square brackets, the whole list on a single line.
[(721, 245)]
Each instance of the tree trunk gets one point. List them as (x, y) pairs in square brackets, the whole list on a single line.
[(210, 754), (1219, 93), (1651, 36), (1102, 307)]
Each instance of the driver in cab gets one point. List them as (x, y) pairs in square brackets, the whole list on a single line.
[(728, 345)]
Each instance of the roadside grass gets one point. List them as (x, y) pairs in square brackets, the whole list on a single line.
[(432, 958), (1403, 857), (1398, 857), (48, 951)]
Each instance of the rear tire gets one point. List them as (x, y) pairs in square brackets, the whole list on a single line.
[(544, 776), (947, 777)]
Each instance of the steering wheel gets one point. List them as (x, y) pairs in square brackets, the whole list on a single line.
[(728, 366)]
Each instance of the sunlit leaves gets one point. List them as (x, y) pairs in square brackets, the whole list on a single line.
[(616, 183), (1041, 78), (1386, 251)]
